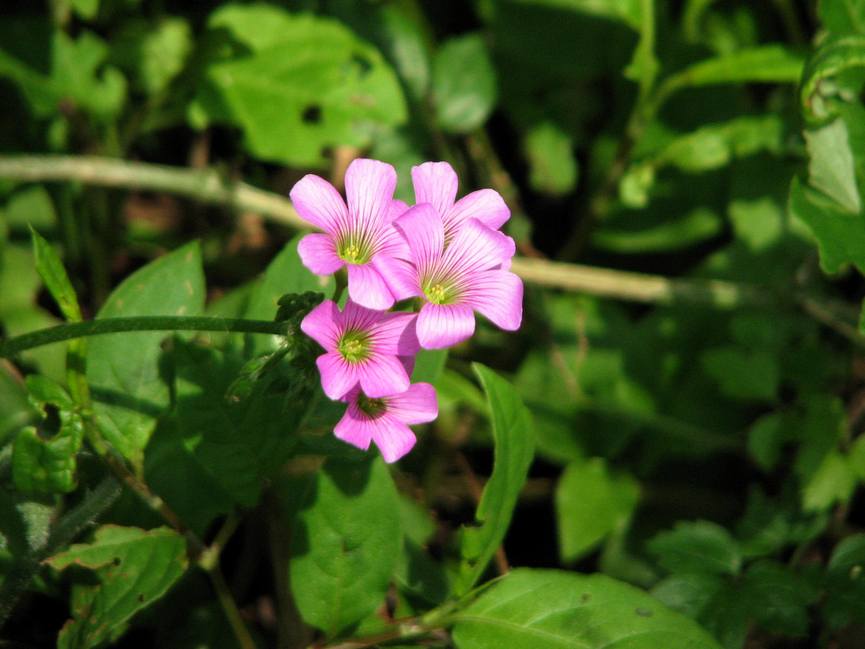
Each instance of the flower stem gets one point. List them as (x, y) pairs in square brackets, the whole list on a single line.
[(143, 323)]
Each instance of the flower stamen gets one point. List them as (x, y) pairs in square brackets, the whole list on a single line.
[(371, 407), (353, 346)]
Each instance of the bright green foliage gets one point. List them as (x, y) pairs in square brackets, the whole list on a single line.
[(133, 568), (47, 464), (768, 64), (125, 372), (559, 610), (591, 502), (345, 542), (298, 83), (514, 447), (54, 276), (463, 84)]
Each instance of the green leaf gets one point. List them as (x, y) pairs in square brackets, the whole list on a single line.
[(54, 276), (743, 374), (74, 78), (124, 370), (15, 409), (831, 167), (552, 165), (819, 92), (530, 609), (42, 464), (715, 145), (698, 547), (840, 16), (845, 581), (463, 84), (303, 83), (153, 54), (429, 365), (839, 234), (31, 206), (285, 274), (134, 568), (688, 593), (591, 503), (763, 64), (345, 543), (628, 12), (87, 9), (514, 449), (832, 482)]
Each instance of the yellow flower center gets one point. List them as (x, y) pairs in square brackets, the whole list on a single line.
[(353, 346)]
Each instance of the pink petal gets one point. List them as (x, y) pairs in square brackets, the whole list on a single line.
[(369, 187), (322, 324), (359, 318), (399, 275), (476, 247), (443, 325), (368, 288), (423, 231), (318, 253), (318, 202), (393, 438), (337, 375), (417, 405), (355, 427), (485, 205), (435, 183), (497, 295), (397, 209), (407, 363), (382, 376), (394, 335)]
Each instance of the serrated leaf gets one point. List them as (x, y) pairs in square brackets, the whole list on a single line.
[(345, 543), (831, 167), (464, 84), (591, 503), (514, 449), (124, 369), (134, 568), (305, 83), (530, 609), (54, 276), (698, 547)]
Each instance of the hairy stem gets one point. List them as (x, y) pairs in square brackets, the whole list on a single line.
[(140, 323)]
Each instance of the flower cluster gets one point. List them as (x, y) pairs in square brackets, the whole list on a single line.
[(445, 253)]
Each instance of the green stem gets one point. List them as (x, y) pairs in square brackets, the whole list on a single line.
[(223, 593), (142, 323), (19, 575)]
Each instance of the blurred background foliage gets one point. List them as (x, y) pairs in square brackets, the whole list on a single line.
[(702, 441)]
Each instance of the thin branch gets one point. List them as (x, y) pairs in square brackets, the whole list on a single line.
[(209, 187)]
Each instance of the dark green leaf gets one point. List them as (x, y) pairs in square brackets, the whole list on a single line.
[(845, 577), (841, 16), (134, 568), (124, 370), (764, 64), (345, 543), (552, 165), (514, 449), (463, 84), (818, 91), (530, 609), (591, 502), (152, 54), (698, 547)]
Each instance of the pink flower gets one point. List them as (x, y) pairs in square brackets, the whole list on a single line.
[(469, 274), (362, 347), (386, 421), (436, 183), (359, 236)]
